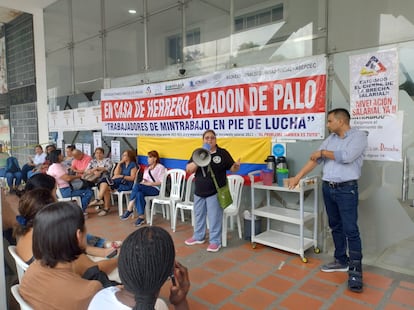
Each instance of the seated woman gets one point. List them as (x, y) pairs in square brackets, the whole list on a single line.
[(147, 260), (150, 186), (29, 205), (13, 174), (67, 160), (63, 179), (122, 180), (101, 168), (97, 246), (99, 165), (59, 238)]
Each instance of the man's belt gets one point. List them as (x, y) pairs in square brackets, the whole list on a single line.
[(341, 184)]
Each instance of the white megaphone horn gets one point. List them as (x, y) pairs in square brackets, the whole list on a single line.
[(201, 157)]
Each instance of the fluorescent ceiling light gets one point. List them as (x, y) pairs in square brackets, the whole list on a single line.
[(132, 11)]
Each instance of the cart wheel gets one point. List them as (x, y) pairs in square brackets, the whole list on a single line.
[(304, 260), (317, 250), (253, 245)]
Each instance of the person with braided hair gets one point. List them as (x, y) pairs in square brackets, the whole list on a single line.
[(146, 261)]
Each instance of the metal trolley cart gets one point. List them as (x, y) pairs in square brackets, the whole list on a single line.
[(295, 243)]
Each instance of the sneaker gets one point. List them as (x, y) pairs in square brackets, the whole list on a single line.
[(336, 265), (139, 222), (126, 215), (213, 247), (192, 241)]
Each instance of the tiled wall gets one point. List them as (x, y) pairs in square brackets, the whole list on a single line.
[(22, 86), (20, 52), (23, 123)]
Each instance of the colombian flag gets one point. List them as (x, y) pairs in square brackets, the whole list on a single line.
[(175, 152)]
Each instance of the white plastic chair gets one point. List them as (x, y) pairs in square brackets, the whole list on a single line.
[(148, 202), (15, 292), (78, 199), (177, 177), (187, 204), (123, 194), (21, 265), (236, 183)]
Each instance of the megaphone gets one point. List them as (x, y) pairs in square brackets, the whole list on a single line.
[(201, 157)]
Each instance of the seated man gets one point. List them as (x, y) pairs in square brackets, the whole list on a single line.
[(43, 167), (80, 161), (34, 162)]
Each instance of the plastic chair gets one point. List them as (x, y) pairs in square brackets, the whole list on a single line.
[(236, 186), (177, 177), (15, 292), (123, 194), (61, 198), (148, 202), (187, 204), (21, 265)]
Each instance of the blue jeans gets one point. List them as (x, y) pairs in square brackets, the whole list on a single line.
[(95, 241), (25, 170), (208, 207), (139, 191), (10, 176), (32, 173), (85, 194), (341, 205)]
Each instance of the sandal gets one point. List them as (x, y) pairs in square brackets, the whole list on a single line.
[(103, 212), (96, 203), (355, 281)]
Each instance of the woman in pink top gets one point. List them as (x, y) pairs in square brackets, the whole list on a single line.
[(63, 179), (149, 186)]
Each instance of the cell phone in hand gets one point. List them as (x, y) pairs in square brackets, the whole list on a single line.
[(174, 282), (112, 254)]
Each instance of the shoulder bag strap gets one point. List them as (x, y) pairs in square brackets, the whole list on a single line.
[(213, 176), (149, 172)]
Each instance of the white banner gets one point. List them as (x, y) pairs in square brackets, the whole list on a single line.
[(286, 100), (374, 83), (384, 136), (374, 103)]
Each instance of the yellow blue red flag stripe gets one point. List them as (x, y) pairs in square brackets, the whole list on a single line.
[(175, 152)]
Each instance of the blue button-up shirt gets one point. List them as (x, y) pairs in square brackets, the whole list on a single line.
[(349, 154)]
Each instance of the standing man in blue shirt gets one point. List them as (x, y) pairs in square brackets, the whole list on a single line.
[(342, 155)]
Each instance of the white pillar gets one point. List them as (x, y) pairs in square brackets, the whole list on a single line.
[(41, 82)]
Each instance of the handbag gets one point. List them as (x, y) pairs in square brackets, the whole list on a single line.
[(223, 193), (91, 177), (77, 184)]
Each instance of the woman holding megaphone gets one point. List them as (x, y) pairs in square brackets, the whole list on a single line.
[(206, 204)]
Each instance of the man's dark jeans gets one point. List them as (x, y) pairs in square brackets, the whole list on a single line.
[(341, 203)]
